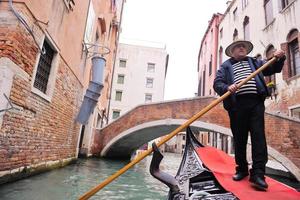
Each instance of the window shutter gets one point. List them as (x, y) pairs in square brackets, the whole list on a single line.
[(286, 67)]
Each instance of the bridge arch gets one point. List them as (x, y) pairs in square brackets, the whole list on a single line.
[(142, 133), (282, 132)]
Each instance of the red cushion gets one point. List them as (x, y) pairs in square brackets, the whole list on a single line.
[(223, 167)]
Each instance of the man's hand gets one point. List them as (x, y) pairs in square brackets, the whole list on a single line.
[(279, 54), (232, 88)]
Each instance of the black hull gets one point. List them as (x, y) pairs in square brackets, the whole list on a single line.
[(193, 180)]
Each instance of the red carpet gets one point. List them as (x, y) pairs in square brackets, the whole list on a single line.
[(223, 167)]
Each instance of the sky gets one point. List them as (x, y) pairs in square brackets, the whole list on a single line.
[(178, 24)]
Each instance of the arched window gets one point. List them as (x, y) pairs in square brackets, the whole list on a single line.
[(294, 54), (291, 48), (269, 51), (246, 28), (235, 34)]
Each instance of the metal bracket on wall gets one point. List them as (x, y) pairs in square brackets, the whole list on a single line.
[(11, 106), (95, 49)]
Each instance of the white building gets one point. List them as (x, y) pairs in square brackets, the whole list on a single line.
[(269, 25), (139, 77)]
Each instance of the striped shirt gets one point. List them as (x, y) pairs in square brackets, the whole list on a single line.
[(241, 71)]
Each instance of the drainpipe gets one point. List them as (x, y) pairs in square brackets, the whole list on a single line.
[(94, 90), (114, 65)]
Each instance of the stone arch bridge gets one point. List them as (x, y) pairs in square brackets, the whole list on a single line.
[(146, 122)]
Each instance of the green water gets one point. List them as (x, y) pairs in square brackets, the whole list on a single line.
[(74, 180)]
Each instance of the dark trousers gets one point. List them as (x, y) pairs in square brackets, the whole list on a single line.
[(249, 117)]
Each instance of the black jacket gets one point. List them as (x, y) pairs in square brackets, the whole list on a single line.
[(224, 78)]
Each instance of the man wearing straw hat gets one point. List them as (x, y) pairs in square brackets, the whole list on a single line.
[(246, 108)]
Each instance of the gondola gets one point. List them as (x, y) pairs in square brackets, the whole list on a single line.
[(206, 173)]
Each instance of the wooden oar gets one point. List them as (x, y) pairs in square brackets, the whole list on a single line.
[(94, 190)]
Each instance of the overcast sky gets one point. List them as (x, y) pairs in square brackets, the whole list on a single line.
[(180, 25)]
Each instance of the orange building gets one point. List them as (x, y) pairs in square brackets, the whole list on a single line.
[(46, 48)]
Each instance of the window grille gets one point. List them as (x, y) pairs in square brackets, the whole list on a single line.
[(44, 68)]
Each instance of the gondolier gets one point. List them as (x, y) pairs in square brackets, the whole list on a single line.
[(246, 108)]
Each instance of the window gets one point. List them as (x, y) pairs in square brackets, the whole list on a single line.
[(210, 65), (151, 67), (148, 98), (246, 28), (122, 63), (293, 53), (291, 47), (120, 79), (244, 4), (44, 68), (149, 83), (116, 114), (235, 35), (269, 52), (183, 137), (234, 14), (294, 57), (285, 3), (118, 96), (268, 11)]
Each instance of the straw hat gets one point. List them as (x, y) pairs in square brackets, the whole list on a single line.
[(247, 44)]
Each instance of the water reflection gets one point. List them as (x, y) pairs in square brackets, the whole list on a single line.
[(74, 180)]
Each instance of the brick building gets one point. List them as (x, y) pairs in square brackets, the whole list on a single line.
[(45, 63)]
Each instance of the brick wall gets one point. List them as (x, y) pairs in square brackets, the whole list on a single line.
[(287, 97), (38, 131), (283, 134)]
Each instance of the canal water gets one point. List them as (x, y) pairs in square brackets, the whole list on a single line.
[(74, 180)]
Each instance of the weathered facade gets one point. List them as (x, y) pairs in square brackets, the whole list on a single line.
[(44, 71), (269, 25), (207, 57)]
